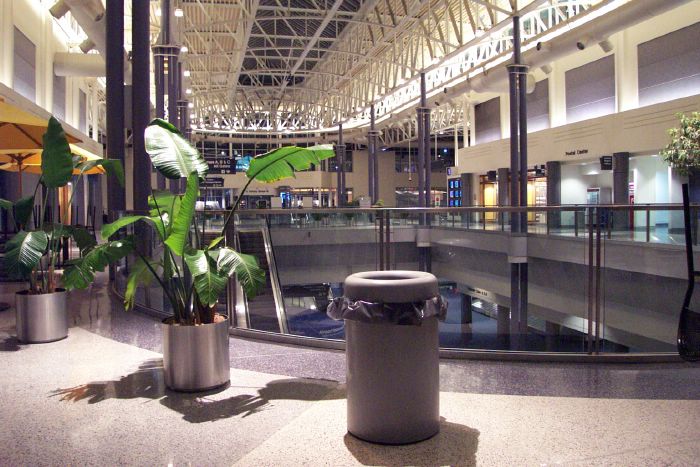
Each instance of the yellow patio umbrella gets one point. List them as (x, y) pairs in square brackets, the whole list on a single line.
[(21, 135), (31, 161)]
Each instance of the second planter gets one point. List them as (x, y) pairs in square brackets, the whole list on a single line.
[(195, 358)]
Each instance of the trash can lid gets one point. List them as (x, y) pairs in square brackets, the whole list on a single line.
[(390, 286)]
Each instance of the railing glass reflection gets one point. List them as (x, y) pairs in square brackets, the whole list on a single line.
[(602, 279)]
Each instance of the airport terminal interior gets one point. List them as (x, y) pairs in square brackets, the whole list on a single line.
[(349, 232)]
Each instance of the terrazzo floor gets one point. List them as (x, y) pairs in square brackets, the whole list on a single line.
[(98, 398)]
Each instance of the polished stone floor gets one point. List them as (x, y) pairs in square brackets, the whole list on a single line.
[(98, 398)]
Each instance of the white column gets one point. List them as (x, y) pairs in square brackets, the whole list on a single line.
[(557, 96), (7, 40), (504, 102), (626, 74), (95, 111), (44, 72)]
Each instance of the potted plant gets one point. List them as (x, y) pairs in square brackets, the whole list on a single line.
[(683, 152), (32, 254), (191, 272)]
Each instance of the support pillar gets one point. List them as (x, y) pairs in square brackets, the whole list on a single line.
[(517, 255), (428, 157), (340, 174), (420, 162), (372, 158), (621, 189), (115, 99), (553, 169), (141, 102), (503, 326)]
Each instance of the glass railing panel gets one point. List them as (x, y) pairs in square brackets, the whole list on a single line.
[(642, 282)]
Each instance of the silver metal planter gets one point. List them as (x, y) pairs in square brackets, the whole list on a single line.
[(41, 317), (195, 358)]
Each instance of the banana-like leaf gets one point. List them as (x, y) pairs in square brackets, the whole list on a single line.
[(24, 251), (215, 242), (80, 272), (140, 275), (208, 283), (113, 167), (171, 154), (282, 162), (110, 229), (249, 274), (23, 210), (56, 159), (84, 239), (164, 205), (177, 240)]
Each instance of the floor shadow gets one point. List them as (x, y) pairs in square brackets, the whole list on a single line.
[(454, 445), (198, 409), (148, 382), (9, 344)]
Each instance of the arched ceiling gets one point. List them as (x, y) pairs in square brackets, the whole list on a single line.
[(279, 66)]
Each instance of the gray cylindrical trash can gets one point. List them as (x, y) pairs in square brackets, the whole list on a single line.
[(391, 330)]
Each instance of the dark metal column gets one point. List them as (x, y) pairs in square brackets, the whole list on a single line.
[(340, 158), (115, 100), (553, 193), (621, 189), (522, 129), (373, 165), (428, 157), (420, 123), (518, 159), (141, 102)]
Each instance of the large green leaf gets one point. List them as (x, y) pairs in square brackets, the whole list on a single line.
[(249, 274), (208, 283), (80, 273), (140, 275), (113, 167), (23, 210), (5, 204), (110, 229), (56, 160), (164, 205), (282, 162), (171, 154), (183, 218), (84, 239), (24, 251)]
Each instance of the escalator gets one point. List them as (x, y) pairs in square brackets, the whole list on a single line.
[(265, 312)]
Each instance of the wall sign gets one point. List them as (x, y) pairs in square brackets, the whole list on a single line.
[(221, 165), (576, 152), (212, 182), (606, 163)]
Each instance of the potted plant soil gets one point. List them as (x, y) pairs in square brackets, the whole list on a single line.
[(193, 273), (32, 254)]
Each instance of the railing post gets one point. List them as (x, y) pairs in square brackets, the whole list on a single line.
[(591, 291), (575, 223), (387, 252), (381, 240), (648, 224), (597, 282)]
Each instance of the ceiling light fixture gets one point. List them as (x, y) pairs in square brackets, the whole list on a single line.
[(179, 13), (184, 49), (186, 73)]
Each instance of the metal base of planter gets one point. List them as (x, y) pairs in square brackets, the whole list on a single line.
[(41, 318), (195, 358)]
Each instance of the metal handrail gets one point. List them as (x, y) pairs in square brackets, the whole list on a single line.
[(437, 210)]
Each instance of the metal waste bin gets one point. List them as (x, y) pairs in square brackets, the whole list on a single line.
[(391, 330)]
